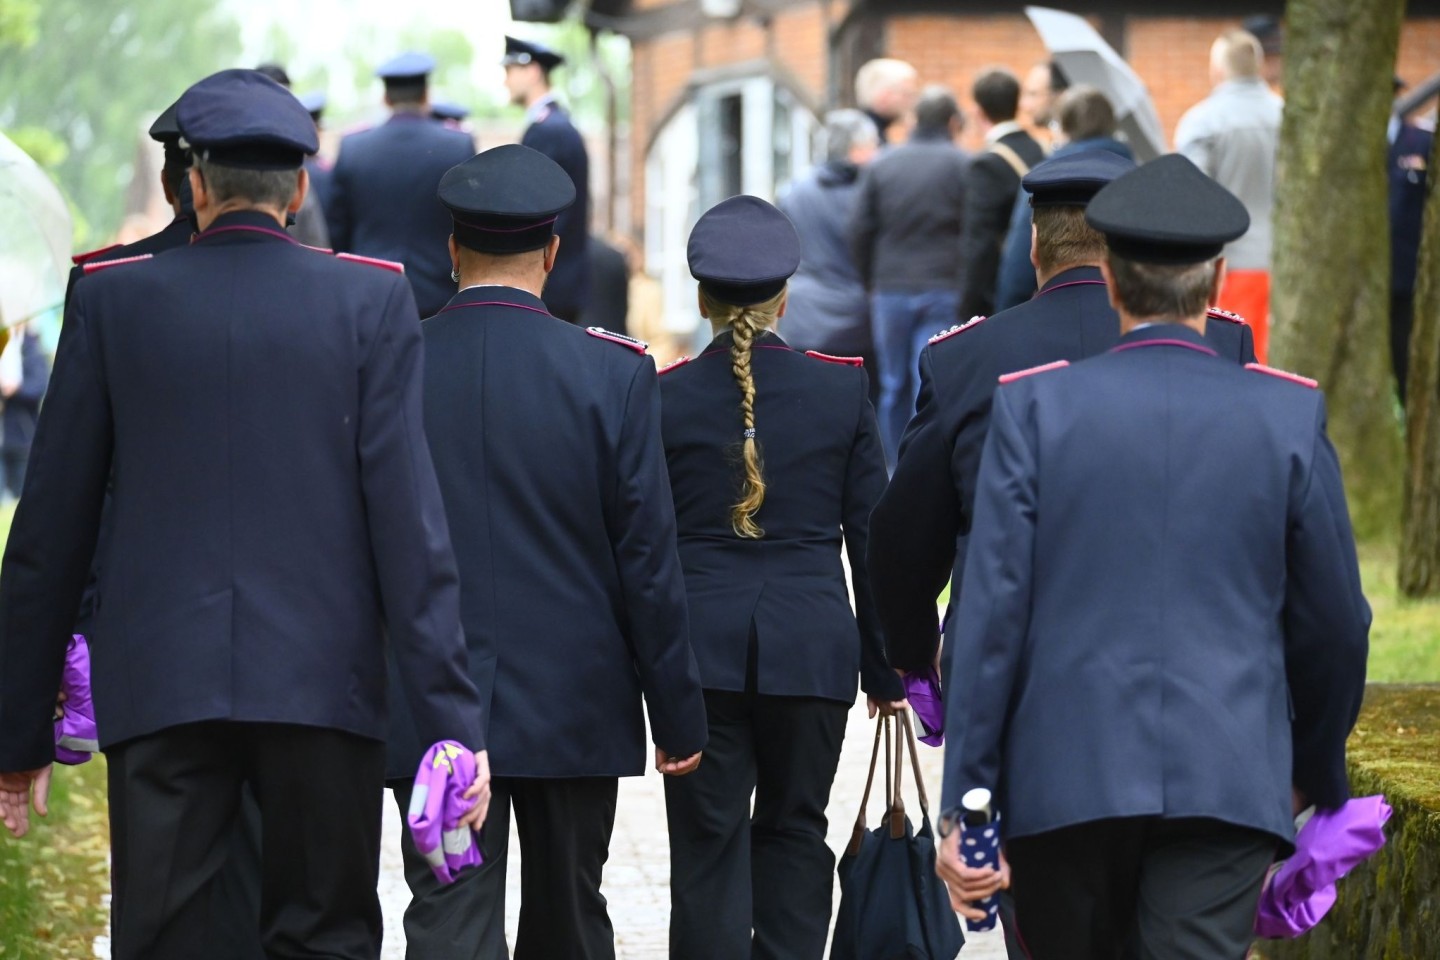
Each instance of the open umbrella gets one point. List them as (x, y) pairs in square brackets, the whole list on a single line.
[(1084, 57), (34, 239)]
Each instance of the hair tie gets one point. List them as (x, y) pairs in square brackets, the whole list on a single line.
[(749, 433)]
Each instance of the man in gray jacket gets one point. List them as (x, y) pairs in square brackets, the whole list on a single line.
[(906, 241)]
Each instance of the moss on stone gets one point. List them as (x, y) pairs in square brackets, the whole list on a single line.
[(1389, 908)]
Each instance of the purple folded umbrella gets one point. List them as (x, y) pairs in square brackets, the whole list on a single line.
[(75, 736), (446, 771), (922, 689), (1301, 891)]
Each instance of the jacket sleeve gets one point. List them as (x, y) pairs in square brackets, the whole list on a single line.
[(643, 537), (51, 542), (419, 584), (1327, 627), (864, 483), (1193, 139), (1015, 280), (994, 614), (911, 549), (1247, 344), (988, 205), (864, 225), (337, 212)]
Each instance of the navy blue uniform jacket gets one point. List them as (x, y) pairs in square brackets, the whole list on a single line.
[(917, 535), (275, 512), (1162, 612), (547, 444), (175, 234), (552, 133), (382, 200), (824, 470)]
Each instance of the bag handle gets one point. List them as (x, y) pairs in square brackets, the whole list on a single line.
[(859, 832), (904, 733), (915, 764)]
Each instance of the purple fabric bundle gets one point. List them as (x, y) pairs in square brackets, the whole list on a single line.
[(446, 771), (75, 736), (922, 689), (1330, 844)]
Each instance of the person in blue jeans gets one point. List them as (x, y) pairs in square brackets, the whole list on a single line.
[(905, 238)]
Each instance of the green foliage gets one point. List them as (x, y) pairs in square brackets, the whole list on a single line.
[(17, 23), (1405, 636), (44, 146), (99, 73)]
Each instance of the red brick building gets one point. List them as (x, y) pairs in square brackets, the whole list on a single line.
[(726, 94)]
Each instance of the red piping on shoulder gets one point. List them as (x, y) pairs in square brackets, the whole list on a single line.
[(846, 361), (90, 268), (81, 258), (1031, 371), (372, 261), (1284, 375)]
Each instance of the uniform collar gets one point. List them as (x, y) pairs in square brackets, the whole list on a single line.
[(1075, 275), (540, 108), (244, 225), (769, 339), (492, 296), (1165, 335)]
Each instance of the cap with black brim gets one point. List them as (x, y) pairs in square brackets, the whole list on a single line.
[(506, 200), (241, 118), (743, 251), (1074, 179), (1167, 212)]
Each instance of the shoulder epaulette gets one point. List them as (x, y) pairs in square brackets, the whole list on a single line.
[(1215, 313), (372, 261), (639, 346), (325, 250), (674, 365), (90, 268), (847, 361), (958, 328), (81, 258), (1031, 371), (1284, 375)]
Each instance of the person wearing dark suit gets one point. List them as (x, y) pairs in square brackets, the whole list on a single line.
[(320, 170), (546, 439), (991, 186), (175, 183), (919, 528), (21, 400), (277, 526), (609, 302), (549, 130), (778, 644), (383, 190), (1407, 161), (1162, 639)]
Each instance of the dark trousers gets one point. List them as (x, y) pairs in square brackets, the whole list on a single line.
[(235, 893), (1139, 888), (174, 798), (1402, 319), (756, 885), (564, 826)]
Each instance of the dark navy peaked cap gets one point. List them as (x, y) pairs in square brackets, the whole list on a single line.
[(1167, 211), (314, 101), (446, 110), (411, 65), (519, 52), (506, 199), (241, 118), (743, 250), (165, 129), (1072, 180)]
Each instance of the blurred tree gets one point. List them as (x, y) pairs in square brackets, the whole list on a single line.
[(1331, 270), (1420, 537), (99, 73), (17, 23)]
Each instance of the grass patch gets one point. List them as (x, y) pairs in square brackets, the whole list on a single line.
[(52, 881)]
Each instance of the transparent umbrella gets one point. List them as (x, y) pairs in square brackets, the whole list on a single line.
[(1084, 57), (34, 239)]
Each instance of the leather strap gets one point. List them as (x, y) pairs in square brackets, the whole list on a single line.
[(1006, 153), (859, 830)]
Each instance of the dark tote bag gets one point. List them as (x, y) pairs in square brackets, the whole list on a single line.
[(892, 905)]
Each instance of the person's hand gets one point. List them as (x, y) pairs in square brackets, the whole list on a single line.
[(1297, 801), (479, 791), (60, 699), (886, 708), (16, 795), (968, 885), (675, 767)]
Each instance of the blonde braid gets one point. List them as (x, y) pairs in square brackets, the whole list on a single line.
[(746, 324)]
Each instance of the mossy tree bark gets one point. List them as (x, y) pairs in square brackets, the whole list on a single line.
[(1420, 534), (1330, 298)]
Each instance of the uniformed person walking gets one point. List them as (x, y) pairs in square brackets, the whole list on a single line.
[(774, 455), (175, 184), (382, 194), (546, 440), (549, 130), (1161, 642), (918, 530), (276, 519)]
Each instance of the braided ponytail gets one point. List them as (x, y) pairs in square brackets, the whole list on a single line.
[(746, 324)]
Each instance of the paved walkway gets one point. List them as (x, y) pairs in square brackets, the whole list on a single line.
[(638, 874)]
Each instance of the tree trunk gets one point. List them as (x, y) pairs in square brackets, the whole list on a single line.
[(1420, 535), (1330, 297)]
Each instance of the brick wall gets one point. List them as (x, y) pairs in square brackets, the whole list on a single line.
[(1170, 53)]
